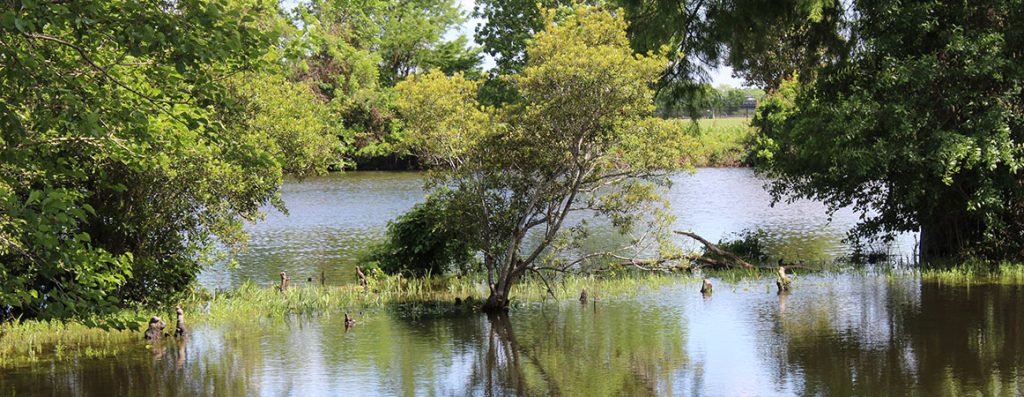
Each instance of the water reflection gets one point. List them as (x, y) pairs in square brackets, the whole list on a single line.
[(878, 338), (843, 334)]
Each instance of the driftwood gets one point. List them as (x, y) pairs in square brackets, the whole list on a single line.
[(717, 251), (362, 279)]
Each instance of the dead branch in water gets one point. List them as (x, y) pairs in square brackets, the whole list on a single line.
[(717, 251)]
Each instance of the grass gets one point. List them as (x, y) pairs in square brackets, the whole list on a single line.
[(974, 272), (721, 142), (34, 341)]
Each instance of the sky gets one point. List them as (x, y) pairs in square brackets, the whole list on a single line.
[(722, 75)]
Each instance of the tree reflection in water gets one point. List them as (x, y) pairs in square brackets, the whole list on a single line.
[(898, 337)]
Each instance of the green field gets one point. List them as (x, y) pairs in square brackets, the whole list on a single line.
[(723, 142)]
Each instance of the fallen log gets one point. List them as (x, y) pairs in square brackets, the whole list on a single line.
[(717, 251)]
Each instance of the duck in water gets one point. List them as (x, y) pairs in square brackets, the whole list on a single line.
[(179, 329)]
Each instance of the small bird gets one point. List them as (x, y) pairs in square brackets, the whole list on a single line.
[(349, 322)]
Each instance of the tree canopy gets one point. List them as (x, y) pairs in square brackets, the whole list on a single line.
[(580, 140), (133, 136), (921, 127)]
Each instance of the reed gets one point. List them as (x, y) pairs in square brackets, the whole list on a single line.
[(34, 341)]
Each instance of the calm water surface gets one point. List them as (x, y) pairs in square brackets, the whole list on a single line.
[(333, 219), (847, 334)]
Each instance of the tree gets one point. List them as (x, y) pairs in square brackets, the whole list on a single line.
[(580, 141), (921, 128), (355, 51), (128, 146)]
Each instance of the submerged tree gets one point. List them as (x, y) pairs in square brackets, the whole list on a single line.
[(580, 141), (921, 126)]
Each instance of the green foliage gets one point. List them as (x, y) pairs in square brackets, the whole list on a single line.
[(723, 143), (580, 139), (748, 244), (424, 241), (921, 129), (126, 151), (509, 26), (355, 51)]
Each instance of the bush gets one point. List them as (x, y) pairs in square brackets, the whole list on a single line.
[(748, 244), (421, 242)]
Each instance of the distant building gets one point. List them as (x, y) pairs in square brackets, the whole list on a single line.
[(748, 105)]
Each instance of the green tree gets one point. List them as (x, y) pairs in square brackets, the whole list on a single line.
[(425, 240), (126, 150), (580, 141), (921, 128), (355, 51)]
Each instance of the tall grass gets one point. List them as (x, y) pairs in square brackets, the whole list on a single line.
[(974, 272)]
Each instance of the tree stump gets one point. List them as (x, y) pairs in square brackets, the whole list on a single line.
[(783, 282), (706, 287), (156, 329), (179, 328), (284, 282)]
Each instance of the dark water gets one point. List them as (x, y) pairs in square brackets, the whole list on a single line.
[(333, 219), (847, 334)]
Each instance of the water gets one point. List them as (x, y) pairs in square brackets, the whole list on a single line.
[(849, 334), (334, 219)]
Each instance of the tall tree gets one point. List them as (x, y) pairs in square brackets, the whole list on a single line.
[(581, 139), (921, 127), (126, 151)]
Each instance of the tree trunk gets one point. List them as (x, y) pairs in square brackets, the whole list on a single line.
[(948, 235), (497, 302)]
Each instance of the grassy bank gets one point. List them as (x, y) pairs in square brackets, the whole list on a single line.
[(720, 142)]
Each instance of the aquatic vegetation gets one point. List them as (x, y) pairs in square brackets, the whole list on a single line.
[(35, 341), (974, 272)]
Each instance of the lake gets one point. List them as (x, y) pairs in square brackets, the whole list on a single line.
[(333, 219), (855, 333)]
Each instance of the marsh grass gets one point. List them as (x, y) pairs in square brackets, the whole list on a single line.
[(39, 341), (973, 272), (34, 341)]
